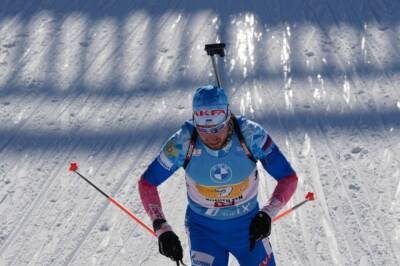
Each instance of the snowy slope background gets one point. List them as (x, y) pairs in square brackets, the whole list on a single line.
[(104, 83)]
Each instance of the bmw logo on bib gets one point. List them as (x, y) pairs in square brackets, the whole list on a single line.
[(221, 173)]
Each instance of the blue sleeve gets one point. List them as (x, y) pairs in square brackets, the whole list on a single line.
[(264, 149), (171, 157), (156, 173), (276, 164)]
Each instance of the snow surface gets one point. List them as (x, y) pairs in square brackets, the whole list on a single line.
[(104, 83)]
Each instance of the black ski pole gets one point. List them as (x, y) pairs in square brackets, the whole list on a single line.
[(74, 168), (309, 197)]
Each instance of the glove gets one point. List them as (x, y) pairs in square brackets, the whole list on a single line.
[(168, 242), (170, 246), (260, 227)]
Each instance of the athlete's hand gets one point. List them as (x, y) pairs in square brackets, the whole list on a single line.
[(260, 227), (170, 246), (168, 242)]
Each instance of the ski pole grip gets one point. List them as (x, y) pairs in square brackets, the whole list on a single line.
[(215, 48)]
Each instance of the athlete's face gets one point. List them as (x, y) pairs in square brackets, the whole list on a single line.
[(215, 140)]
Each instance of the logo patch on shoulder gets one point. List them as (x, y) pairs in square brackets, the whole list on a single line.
[(221, 173), (170, 149)]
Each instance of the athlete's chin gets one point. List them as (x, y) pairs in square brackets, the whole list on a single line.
[(215, 146)]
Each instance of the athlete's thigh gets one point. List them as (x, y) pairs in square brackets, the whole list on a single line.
[(204, 247), (204, 250)]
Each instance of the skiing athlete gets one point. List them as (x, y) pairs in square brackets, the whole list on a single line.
[(219, 152)]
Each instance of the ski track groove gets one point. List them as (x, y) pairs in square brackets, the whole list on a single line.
[(317, 185), (340, 175), (4, 246), (95, 145), (307, 239), (31, 208), (321, 128), (381, 121), (132, 233), (360, 133), (18, 129), (342, 182), (21, 124), (94, 110), (91, 226), (302, 126), (44, 98), (91, 205), (46, 185), (333, 247), (296, 162), (114, 160), (263, 186), (304, 234), (296, 252), (315, 182), (86, 235), (124, 179), (71, 257), (366, 199), (372, 45), (5, 188), (278, 230), (372, 11), (39, 201), (368, 42), (297, 255), (68, 105), (102, 209)]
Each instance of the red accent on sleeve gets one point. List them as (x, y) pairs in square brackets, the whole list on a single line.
[(282, 194), (150, 199), (285, 188)]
